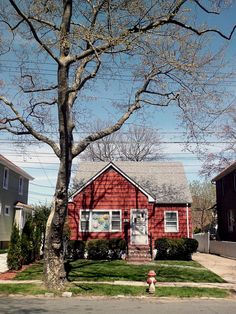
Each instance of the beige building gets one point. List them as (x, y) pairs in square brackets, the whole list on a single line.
[(14, 184)]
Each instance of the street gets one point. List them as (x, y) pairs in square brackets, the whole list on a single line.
[(25, 305)]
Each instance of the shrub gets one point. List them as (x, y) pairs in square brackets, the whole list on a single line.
[(75, 249), (14, 258), (27, 242), (180, 249), (116, 247), (98, 249)]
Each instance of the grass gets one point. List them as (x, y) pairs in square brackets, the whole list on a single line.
[(24, 289), (116, 290), (120, 270)]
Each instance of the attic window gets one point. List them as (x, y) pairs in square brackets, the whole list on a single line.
[(171, 221), (20, 187), (5, 178)]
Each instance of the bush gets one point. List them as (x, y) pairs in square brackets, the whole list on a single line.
[(116, 247), (27, 242), (98, 249), (14, 258), (180, 249), (75, 249)]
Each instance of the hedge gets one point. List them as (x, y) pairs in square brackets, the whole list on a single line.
[(175, 249)]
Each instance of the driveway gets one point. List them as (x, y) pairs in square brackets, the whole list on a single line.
[(222, 266), (3, 263)]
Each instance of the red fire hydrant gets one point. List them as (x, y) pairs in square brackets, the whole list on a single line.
[(151, 281)]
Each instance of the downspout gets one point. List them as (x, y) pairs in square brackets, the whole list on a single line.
[(187, 215)]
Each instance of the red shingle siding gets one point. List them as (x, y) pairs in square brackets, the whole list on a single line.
[(112, 191)]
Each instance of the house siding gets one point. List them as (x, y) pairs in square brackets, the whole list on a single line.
[(10, 197), (226, 201), (112, 191)]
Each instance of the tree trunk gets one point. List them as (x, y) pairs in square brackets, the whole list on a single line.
[(54, 271)]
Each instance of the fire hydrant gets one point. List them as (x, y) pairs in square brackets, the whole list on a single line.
[(151, 281)]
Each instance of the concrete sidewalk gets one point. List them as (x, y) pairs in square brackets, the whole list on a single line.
[(3, 263), (222, 266)]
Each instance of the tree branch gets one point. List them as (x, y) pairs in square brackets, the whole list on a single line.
[(33, 31), (210, 30), (29, 128)]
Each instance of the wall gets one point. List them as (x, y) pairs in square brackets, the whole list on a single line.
[(223, 248), (10, 197)]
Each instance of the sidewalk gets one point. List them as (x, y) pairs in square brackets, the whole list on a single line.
[(222, 266)]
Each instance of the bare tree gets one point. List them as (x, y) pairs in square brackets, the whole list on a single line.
[(203, 206), (136, 144), (159, 42), (215, 162)]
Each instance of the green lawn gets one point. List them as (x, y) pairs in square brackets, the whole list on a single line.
[(114, 290), (120, 270)]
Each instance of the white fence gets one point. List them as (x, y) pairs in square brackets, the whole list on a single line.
[(203, 242), (223, 248)]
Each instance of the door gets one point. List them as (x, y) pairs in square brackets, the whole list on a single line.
[(139, 226)]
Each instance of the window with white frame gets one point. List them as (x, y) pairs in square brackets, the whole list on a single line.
[(7, 210), (5, 178), (171, 221), (231, 220), (100, 220), (21, 185)]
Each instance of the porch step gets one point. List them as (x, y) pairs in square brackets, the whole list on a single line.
[(139, 254)]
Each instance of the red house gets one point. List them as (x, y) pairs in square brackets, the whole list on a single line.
[(226, 203), (137, 201)]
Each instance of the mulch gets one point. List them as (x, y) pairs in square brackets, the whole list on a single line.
[(11, 274)]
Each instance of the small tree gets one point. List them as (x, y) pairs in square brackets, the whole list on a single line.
[(14, 257), (41, 213), (204, 199), (28, 242)]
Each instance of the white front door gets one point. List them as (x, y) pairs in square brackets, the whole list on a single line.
[(139, 226)]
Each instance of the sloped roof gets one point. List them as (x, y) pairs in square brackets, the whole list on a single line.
[(7, 163), (164, 181), (226, 171)]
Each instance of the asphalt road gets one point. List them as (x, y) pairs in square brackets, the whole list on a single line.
[(23, 305)]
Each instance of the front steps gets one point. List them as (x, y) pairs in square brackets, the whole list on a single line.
[(139, 254)]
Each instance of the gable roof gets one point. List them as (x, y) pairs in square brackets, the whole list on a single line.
[(164, 182), (7, 163), (226, 171)]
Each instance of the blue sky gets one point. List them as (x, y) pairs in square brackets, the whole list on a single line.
[(40, 162)]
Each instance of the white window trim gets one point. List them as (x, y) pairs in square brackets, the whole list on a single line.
[(9, 209), (21, 186), (0, 208), (177, 218), (5, 183), (91, 211)]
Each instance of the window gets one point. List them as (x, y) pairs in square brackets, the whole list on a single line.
[(100, 221), (231, 221), (5, 178), (7, 210), (171, 221), (21, 185)]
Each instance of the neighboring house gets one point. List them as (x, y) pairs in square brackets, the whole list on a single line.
[(14, 183), (226, 203), (137, 201)]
